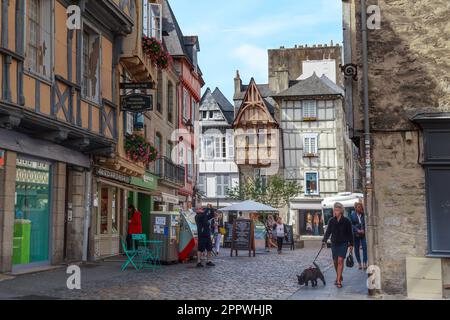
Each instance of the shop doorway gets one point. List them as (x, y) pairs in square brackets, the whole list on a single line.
[(31, 239)]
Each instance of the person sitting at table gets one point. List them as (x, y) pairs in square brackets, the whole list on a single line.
[(134, 224)]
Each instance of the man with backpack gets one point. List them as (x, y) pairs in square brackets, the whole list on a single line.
[(202, 219)]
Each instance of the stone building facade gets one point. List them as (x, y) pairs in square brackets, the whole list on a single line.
[(408, 105)]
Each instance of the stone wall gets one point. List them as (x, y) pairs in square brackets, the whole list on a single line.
[(409, 67), (291, 58)]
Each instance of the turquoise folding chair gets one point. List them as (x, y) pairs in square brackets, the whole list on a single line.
[(131, 254)]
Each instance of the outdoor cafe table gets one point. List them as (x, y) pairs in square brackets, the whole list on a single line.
[(150, 254)]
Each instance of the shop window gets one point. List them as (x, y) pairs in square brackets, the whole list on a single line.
[(104, 204), (40, 34), (311, 183), (152, 20), (91, 64)]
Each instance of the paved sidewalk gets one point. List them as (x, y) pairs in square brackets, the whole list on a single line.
[(354, 287)]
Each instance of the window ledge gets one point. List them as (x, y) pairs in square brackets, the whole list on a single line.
[(310, 155), (39, 77), (91, 102)]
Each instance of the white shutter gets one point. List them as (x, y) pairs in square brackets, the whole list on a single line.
[(230, 144)]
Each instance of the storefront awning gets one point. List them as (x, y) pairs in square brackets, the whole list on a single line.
[(306, 206)]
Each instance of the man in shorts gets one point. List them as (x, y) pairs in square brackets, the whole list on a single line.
[(202, 219)]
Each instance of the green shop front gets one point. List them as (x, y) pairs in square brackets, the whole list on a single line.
[(113, 192)]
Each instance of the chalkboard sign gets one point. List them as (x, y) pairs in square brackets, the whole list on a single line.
[(243, 237), (228, 235), (289, 240)]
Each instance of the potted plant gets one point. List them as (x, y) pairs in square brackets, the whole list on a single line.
[(139, 150), (155, 50)]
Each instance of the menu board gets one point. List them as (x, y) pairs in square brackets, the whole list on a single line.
[(243, 236), (289, 240), (228, 234)]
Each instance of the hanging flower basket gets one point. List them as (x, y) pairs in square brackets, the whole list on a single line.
[(139, 150), (156, 52)]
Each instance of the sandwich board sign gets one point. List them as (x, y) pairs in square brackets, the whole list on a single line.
[(243, 237)]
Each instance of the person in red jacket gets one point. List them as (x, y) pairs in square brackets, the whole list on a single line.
[(134, 224)]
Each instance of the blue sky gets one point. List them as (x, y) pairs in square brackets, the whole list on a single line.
[(236, 34)]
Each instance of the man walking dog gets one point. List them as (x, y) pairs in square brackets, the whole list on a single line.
[(340, 229)]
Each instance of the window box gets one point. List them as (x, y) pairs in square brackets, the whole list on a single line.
[(310, 155), (154, 49), (306, 119)]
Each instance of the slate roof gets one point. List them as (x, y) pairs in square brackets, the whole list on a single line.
[(176, 43), (312, 86), (225, 106)]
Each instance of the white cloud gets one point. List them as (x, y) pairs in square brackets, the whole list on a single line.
[(253, 61)]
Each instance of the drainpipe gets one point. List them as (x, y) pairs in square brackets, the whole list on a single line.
[(87, 214), (371, 226)]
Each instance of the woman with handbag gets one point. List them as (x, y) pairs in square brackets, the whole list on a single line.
[(340, 230)]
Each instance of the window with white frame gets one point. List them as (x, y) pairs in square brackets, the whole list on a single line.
[(185, 104), (310, 144), (152, 20), (311, 183), (222, 185), (201, 184), (220, 149), (230, 143), (309, 109), (39, 50), (91, 64), (208, 147)]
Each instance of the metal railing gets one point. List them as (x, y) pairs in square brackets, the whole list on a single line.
[(169, 171)]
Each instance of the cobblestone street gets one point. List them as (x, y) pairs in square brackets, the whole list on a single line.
[(266, 276)]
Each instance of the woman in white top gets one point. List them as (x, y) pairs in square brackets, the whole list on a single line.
[(280, 232)]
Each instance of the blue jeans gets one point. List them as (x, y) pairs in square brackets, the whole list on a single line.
[(361, 242)]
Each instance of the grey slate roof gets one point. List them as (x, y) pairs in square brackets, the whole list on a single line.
[(312, 86), (225, 106), (176, 43)]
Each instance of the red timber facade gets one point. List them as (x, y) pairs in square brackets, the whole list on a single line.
[(183, 50)]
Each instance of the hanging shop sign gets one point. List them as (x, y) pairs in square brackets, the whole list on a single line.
[(2, 159), (167, 198), (136, 102), (101, 172)]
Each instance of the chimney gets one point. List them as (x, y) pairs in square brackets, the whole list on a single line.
[(237, 83)]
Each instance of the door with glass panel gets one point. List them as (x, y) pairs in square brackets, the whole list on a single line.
[(31, 237)]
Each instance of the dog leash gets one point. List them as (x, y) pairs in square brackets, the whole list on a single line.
[(321, 248)]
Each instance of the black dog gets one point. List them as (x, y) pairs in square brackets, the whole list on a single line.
[(311, 274)]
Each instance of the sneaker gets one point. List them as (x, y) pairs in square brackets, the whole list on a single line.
[(210, 264), (199, 265)]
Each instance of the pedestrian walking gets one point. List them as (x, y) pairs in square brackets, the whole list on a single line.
[(359, 233), (202, 219), (217, 229), (340, 230), (280, 231), (134, 225)]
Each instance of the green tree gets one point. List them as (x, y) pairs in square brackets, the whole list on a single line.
[(277, 192)]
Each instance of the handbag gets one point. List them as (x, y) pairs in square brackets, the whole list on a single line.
[(222, 231), (349, 262)]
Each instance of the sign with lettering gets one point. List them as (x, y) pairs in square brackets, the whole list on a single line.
[(101, 172), (136, 102), (148, 181), (136, 85), (243, 237)]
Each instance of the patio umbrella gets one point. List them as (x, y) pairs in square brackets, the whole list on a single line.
[(248, 206)]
